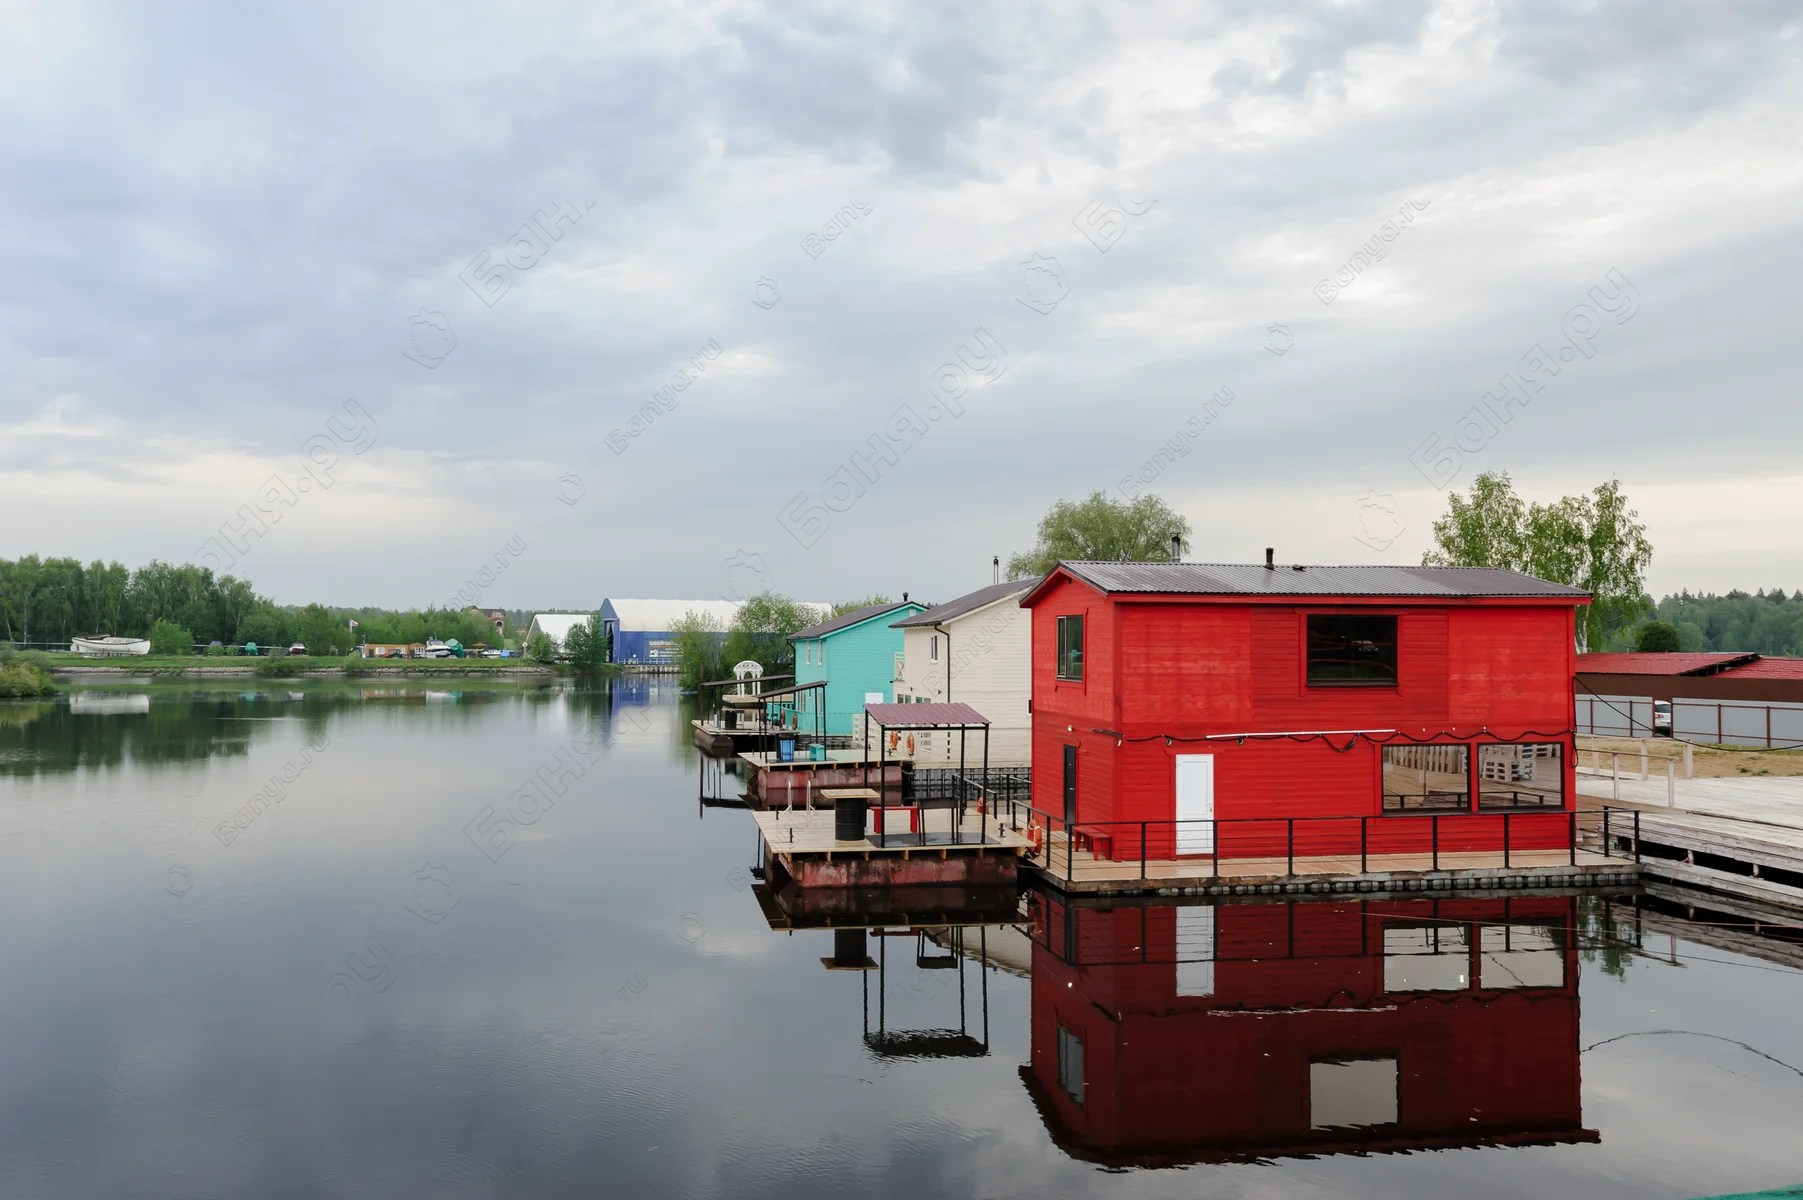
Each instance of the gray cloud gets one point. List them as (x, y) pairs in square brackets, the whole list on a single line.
[(220, 224)]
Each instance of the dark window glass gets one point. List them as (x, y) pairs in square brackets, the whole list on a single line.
[(1070, 1064), (1521, 775), (1427, 778), (1070, 647), (1351, 651)]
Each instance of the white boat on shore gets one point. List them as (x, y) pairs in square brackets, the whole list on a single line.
[(103, 647)]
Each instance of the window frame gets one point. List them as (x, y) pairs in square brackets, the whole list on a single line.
[(1494, 808), (1069, 1064), (1394, 683), (1060, 666), (1469, 793)]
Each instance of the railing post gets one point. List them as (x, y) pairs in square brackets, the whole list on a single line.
[(1364, 842), (1436, 834), (1637, 836), (1289, 867), (1505, 841), (1070, 850), (1214, 843), (1607, 850), (1142, 852), (1571, 830)]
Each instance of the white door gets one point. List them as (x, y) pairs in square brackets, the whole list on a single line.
[(1195, 803), (1196, 951)]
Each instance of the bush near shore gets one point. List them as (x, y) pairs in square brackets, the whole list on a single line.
[(19, 678)]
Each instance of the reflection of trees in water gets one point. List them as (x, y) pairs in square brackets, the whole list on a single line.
[(39, 737)]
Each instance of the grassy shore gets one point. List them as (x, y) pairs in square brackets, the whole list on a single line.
[(75, 666)]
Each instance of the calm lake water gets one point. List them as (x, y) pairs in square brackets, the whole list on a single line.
[(381, 986)]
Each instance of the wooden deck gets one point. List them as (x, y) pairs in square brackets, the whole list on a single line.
[(1549, 868), (1737, 837), (807, 832), (768, 760)]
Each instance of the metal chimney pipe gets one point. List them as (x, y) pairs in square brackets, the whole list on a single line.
[(996, 564), (1176, 547), (1270, 559)]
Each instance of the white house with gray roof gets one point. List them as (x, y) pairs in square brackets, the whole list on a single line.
[(975, 650)]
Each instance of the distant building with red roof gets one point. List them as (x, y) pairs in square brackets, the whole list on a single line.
[(1697, 676)]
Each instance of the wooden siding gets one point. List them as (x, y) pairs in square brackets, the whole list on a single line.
[(1467, 669), (989, 659), (860, 659)]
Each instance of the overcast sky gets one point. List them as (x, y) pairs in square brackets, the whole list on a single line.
[(1053, 232)]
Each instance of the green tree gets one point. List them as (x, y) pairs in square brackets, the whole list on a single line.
[(1657, 636), (18, 591), (104, 603), (586, 644), (166, 637), (761, 628), (846, 606), (541, 650), (1593, 542), (1101, 529), (267, 626), (699, 646)]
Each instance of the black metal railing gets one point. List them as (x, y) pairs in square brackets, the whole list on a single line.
[(1208, 842)]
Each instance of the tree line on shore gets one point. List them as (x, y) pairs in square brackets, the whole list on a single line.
[(48, 601)]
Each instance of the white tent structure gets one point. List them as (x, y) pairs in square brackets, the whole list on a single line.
[(556, 626)]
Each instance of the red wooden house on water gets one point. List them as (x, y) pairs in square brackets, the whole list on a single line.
[(1233, 709)]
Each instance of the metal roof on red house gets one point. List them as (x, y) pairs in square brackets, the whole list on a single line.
[(1650, 663), (1297, 579)]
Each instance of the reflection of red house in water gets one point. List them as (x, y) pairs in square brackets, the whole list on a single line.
[(1212, 1034), (1216, 695)]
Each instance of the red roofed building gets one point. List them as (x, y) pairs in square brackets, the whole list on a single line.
[(1746, 677), (1232, 698)]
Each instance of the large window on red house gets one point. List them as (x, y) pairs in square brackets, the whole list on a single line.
[(1427, 778), (1351, 650), (1070, 647), (1520, 775)]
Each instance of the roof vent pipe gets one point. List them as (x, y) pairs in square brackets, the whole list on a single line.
[(996, 565), (904, 597), (1176, 547), (1270, 559)]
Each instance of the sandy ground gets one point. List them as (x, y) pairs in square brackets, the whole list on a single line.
[(1709, 764)]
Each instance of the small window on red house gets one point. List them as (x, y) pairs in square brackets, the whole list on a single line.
[(1351, 651), (1070, 647)]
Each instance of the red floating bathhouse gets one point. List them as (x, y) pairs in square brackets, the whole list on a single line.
[(1224, 710)]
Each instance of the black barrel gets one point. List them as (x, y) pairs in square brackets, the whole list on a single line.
[(848, 948), (848, 818)]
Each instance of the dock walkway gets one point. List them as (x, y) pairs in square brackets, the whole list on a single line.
[(1338, 873)]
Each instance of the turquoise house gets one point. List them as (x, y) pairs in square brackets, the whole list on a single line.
[(855, 655)]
